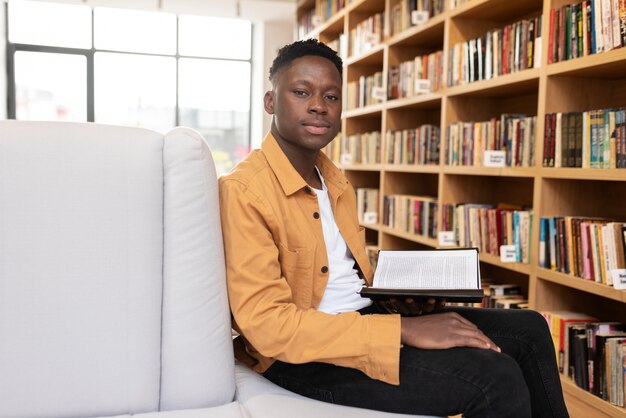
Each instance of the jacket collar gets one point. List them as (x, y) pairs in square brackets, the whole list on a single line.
[(290, 180)]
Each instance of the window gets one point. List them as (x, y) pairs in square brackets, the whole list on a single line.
[(129, 67)]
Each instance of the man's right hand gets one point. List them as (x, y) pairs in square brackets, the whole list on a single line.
[(443, 330)]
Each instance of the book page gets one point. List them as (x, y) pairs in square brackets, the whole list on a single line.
[(436, 269)]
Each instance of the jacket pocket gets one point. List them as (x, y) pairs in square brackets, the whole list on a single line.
[(296, 267)]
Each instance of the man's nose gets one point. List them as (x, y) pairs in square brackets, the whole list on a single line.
[(317, 104)]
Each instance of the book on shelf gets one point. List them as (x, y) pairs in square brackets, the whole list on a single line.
[(453, 275), (367, 205), (420, 75), (418, 146), (506, 50), (366, 35), (586, 28), (406, 13), (590, 139), (412, 214), (585, 247), (512, 134)]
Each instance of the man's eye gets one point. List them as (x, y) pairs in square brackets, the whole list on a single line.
[(300, 92), (332, 98)]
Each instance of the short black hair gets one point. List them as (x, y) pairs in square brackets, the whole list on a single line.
[(288, 53)]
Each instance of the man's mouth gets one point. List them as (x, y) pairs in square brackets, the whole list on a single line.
[(316, 128)]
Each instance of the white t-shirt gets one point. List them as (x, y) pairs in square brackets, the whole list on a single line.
[(344, 283)]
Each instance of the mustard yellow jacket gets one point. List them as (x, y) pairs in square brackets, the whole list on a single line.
[(276, 264)]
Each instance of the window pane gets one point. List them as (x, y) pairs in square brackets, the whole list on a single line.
[(52, 24), (50, 86), (135, 90), (214, 98), (134, 31), (214, 37)]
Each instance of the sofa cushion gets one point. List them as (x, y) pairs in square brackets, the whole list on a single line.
[(81, 241), (197, 345)]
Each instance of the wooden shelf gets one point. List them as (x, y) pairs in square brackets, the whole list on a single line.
[(420, 239), (504, 85), (587, 286), (430, 33), (495, 260), (409, 168), (584, 404), (490, 171), (583, 173), (501, 10), (372, 57), (610, 64), (360, 167), (363, 111), (422, 101)]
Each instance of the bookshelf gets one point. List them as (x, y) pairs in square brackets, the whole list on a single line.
[(596, 81)]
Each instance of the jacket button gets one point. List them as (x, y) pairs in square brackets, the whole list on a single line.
[(316, 215), (324, 269)]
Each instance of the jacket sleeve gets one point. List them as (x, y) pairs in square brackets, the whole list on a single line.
[(263, 309)]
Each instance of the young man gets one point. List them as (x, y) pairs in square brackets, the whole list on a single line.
[(296, 259)]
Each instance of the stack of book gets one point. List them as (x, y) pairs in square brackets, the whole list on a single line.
[(412, 214), (306, 23), (589, 27), (403, 16), (589, 248), (513, 48), (328, 8), (514, 134), (339, 45), (366, 34), (413, 146), (488, 227), (367, 205), (366, 91), (361, 148), (591, 139), (591, 353), (421, 75)]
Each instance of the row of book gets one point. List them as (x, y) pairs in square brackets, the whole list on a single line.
[(368, 90), (362, 148), (513, 134), (489, 228), (423, 74), (413, 146), (502, 51), (367, 205), (366, 34), (328, 8), (406, 13), (586, 28), (590, 352), (589, 248), (339, 45), (591, 139), (412, 214), (307, 22)]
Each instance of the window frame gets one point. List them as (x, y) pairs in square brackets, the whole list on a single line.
[(89, 54)]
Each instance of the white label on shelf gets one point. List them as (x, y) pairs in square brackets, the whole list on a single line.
[(619, 278), (447, 239), (508, 254), (317, 20), (346, 158), (419, 17), (370, 218), (494, 159), (379, 93), (422, 86)]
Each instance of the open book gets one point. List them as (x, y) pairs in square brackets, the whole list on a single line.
[(450, 274)]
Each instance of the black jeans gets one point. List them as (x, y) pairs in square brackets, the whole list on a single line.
[(522, 381)]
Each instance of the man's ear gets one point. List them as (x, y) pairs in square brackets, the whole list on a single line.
[(268, 102)]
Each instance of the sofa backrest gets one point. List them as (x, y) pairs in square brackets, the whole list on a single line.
[(112, 286)]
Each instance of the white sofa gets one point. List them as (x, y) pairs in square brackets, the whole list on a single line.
[(112, 289)]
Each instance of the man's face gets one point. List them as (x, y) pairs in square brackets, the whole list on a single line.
[(306, 104)]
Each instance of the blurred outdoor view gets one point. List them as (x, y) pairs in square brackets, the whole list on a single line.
[(150, 69)]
